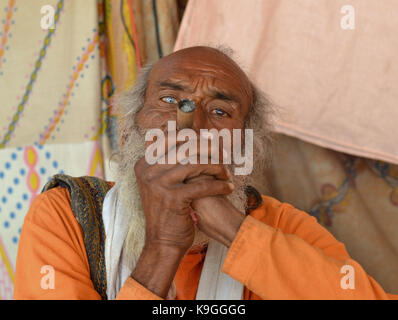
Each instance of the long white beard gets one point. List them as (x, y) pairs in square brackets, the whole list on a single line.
[(131, 200)]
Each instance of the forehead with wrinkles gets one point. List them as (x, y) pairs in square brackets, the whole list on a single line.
[(202, 66)]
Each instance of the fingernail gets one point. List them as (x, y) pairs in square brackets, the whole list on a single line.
[(231, 186)]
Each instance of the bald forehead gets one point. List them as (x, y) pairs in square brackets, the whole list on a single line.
[(202, 62), (201, 56)]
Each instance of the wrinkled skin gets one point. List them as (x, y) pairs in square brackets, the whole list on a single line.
[(223, 95)]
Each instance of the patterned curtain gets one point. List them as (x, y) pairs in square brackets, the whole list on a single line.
[(355, 198), (136, 33), (55, 88)]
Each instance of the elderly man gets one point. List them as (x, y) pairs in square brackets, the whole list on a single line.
[(182, 231)]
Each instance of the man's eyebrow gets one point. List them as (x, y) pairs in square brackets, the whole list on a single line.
[(216, 94), (223, 96), (172, 85)]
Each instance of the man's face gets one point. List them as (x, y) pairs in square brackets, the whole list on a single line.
[(223, 96), (220, 89)]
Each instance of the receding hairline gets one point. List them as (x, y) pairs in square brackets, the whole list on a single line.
[(194, 54)]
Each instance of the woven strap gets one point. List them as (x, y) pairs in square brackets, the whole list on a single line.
[(87, 196)]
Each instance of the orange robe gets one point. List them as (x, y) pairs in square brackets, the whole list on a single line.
[(279, 253)]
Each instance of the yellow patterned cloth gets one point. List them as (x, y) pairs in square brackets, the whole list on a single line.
[(50, 115), (137, 32), (52, 96)]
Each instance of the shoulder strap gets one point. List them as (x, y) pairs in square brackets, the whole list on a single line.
[(254, 199), (87, 196)]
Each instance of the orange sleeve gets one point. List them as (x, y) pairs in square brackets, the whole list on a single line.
[(283, 253), (132, 290), (51, 236)]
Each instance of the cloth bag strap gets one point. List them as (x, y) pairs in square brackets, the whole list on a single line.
[(87, 196)]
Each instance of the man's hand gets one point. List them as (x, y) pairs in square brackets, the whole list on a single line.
[(166, 200), (218, 218)]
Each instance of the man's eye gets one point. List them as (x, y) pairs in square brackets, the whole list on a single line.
[(169, 100), (219, 112)]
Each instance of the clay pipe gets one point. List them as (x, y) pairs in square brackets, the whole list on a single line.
[(185, 113)]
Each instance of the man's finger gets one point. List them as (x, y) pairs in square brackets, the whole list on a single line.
[(180, 173), (206, 188)]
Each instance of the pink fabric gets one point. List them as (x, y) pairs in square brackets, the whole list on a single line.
[(335, 88)]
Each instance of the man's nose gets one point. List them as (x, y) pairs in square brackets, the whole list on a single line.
[(200, 118)]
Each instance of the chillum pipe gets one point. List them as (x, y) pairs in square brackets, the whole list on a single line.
[(185, 113), (185, 116)]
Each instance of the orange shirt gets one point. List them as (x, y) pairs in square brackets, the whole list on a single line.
[(279, 253)]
